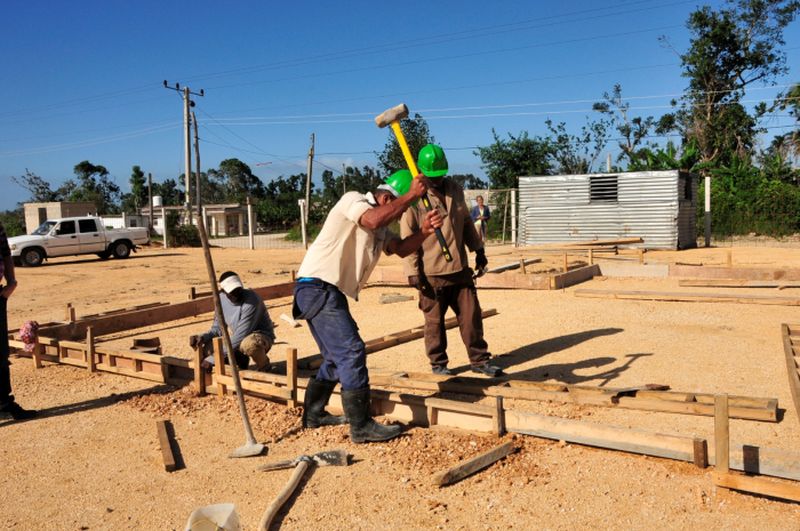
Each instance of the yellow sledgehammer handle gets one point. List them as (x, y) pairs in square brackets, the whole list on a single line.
[(412, 166)]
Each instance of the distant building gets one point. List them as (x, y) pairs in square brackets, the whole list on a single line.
[(38, 213), (221, 220), (658, 206)]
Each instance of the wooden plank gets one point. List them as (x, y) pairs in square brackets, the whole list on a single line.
[(791, 367), (397, 338), (257, 388), (748, 273), (721, 434), (737, 283), (470, 466), (149, 316), (688, 297), (576, 276), (461, 407), (514, 281), (125, 371), (514, 265), (700, 453), (499, 416), (750, 408), (166, 446), (757, 485)]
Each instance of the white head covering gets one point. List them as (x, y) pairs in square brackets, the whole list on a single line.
[(389, 189), (231, 283)]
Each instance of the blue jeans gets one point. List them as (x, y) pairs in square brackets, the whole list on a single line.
[(325, 309)]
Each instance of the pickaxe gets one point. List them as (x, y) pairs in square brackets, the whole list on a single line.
[(300, 464), (392, 117)]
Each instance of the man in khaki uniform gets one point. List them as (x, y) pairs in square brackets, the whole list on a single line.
[(443, 284)]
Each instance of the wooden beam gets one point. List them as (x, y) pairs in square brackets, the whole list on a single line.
[(90, 357), (737, 283), (390, 340), (722, 453), (792, 365), (757, 485), (166, 447), (515, 265), (748, 273), (219, 366), (744, 407), (576, 276), (468, 467), (199, 372), (117, 322), (688, 297)]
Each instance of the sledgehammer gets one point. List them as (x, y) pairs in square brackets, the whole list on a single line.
[(392, 117)]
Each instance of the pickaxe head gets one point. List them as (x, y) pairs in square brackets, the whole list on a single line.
[(395, 114)]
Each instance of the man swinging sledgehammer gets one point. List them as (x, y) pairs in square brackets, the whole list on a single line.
[(338, 264)]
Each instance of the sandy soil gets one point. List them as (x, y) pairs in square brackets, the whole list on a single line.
[(92, 461)]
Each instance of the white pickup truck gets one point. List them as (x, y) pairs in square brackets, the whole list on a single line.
[(73, 236)]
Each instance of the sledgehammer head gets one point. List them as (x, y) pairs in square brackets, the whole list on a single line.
[(395, 114)]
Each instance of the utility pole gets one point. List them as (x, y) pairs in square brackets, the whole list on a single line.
[(197, 175), (308, 178), (150, 198), (187, 104)]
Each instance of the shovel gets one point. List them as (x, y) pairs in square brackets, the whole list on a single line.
[(300, 464), (251, 447)]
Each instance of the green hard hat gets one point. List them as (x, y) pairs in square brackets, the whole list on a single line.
[(432, 161), (398, 183)]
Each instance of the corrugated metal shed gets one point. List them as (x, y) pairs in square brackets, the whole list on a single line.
[(655, 205)]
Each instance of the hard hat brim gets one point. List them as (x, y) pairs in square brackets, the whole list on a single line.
[(436, 173)]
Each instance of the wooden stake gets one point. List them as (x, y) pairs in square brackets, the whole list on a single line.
[(730, 258), (700, 453), (90, 358), (499, 416), (166, 448), (522, 266), (219, 365), (470, 466), (37, 350), (192, 293), (291, 375), (591, 257), (566, 263), (721, 434), (70, 313), (199, 372), (641, 256)]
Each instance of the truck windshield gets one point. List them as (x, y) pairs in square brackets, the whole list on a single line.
[(44, 228)]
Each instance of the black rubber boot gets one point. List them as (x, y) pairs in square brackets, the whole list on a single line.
[(362, 427), (318, 393)]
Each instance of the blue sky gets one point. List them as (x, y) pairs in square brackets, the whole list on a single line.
[(83, 79)]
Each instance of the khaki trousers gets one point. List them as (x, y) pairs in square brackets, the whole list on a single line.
[(435, 297)]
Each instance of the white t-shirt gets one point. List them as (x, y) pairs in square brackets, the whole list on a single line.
[(345, 253)]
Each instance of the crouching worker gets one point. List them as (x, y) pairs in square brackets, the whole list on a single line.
[(251, 330), (337, 265)]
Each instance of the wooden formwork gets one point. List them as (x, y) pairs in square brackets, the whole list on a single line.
[(503, 280), (791, 341)]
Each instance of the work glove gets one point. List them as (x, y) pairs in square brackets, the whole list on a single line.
[(195, 340), (480, 259)]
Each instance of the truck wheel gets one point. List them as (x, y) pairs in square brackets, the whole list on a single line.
[(32, 257), (121, 250)]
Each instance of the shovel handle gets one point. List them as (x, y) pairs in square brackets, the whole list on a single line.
[(426, 202), (283, 495)]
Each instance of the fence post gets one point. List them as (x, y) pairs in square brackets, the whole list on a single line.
[(514, 217), (250, 228), (302, 204)]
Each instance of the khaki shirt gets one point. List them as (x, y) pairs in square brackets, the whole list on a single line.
[(345, 253), (458, 231)]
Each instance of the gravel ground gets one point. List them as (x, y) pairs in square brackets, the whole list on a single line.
[(93, 462)]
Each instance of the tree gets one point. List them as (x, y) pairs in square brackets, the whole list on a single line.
[(576, 154), (468, 181), (278, 209), (40, 190), (729, 50), (237, 181), (506, 160), (13, 221), (791, 101), (417, 135), (170, 194), (93, 184), (137, 197)]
